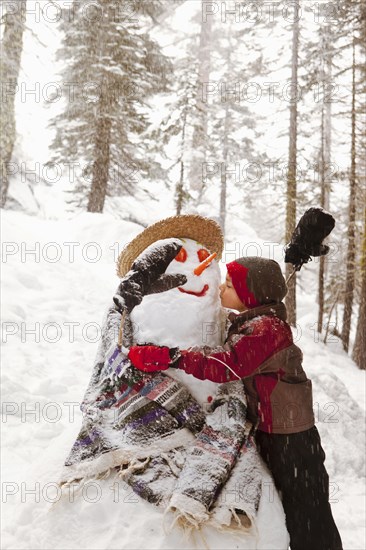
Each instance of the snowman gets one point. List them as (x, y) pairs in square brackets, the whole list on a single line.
[(191, 315)]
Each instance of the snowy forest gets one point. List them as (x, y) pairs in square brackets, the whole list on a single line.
[(248, 110), (118, 113)]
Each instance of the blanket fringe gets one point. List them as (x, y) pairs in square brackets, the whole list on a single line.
[(190, 528), (104, 475), (187, 524), (134, 466), (77, 485), (116, 458), (240, 524), (203, 539), (189, 515)]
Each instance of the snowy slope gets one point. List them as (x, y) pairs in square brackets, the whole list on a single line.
[(46, 371)]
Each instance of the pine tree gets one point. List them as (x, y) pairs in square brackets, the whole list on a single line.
[(359, 348), (234, 118), (200, 138), (11, 51), (351, 249), (124, 66), (231, 118), (177, 126), (319, 63), (326, 63), (325, 147), (230, 123), (291, 176)]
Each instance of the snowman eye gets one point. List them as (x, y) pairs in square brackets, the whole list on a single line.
[(181, 256), (202, 254)]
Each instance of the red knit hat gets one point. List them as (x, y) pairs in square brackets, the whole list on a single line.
[(257, 281), (238, 274)]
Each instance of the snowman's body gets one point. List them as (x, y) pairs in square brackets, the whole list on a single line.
[(186, 317)]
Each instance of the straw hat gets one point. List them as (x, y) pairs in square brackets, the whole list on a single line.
[(189, 226)]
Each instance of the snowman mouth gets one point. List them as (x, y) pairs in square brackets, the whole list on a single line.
[(198, 294)]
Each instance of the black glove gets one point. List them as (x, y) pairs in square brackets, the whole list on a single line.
[(147, 276), (306, 241)]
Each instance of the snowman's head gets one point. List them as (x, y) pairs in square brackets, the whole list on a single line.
[(202, 280), (186, 315)]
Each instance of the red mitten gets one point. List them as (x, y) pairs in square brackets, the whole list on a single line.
[(151, 358)]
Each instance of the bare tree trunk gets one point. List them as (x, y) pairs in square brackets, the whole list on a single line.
[(225, 148), (322, 200), (325, 160), (350, 273), (11, 51), (199, 139), (291, 176), (179, 190), (223, 190), (359, 349), (101, 163)]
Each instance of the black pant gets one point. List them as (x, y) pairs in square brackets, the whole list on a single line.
[(296, 462)]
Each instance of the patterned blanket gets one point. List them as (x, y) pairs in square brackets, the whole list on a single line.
[(200, 466)]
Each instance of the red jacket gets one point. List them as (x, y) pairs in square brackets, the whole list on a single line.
[(260, 350)]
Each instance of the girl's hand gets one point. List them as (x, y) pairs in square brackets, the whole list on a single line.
[(152, 358)]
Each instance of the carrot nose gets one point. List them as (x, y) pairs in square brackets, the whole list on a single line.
[(202, 266)]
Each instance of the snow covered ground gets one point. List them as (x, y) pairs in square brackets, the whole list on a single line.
[(53, 302)]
